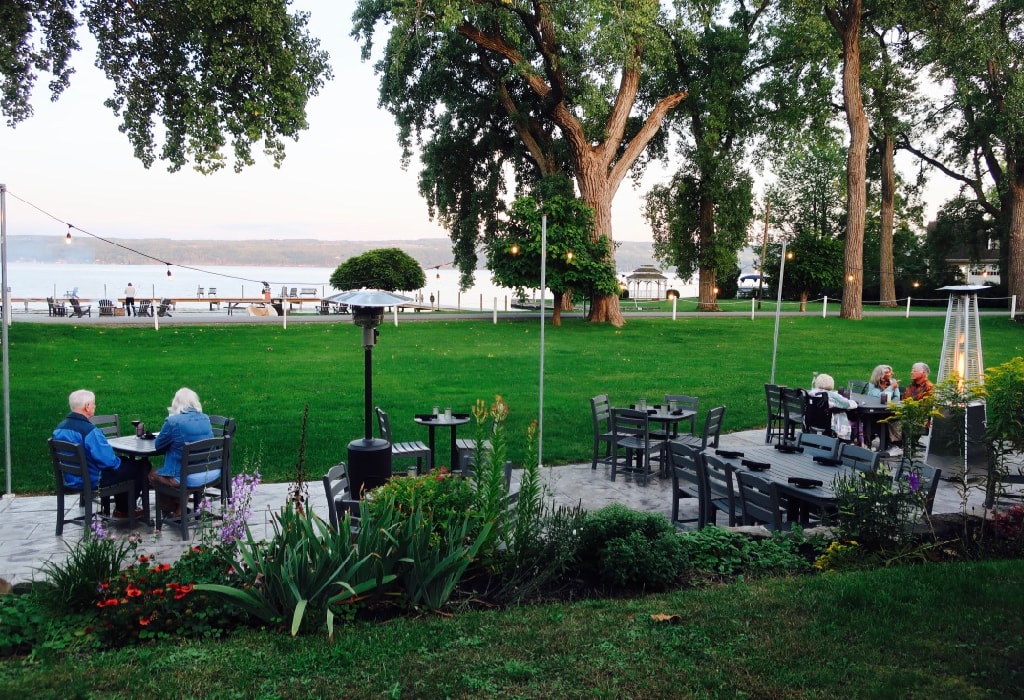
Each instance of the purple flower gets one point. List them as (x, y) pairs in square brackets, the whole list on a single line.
[(97, 527), (914, 479)]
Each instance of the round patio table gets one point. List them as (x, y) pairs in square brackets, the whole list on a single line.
[(433, 422)]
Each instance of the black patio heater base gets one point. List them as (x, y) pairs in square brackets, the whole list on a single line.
[(369, 464)]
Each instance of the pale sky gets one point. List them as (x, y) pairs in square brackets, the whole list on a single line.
[(342, 180)]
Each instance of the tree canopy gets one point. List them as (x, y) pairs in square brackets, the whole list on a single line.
[(390, 269), (574, 85), (191, 79)]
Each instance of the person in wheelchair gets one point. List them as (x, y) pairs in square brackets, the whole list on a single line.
[(827, 408)]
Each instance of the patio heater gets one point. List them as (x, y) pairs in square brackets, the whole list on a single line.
[(961, 357), (369, 459)]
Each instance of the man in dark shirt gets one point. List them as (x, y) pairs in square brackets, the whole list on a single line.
[(105, 467)]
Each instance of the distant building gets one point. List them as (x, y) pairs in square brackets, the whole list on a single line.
[(646, 282), (980, 268)]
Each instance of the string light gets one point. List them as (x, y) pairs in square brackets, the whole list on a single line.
[(67, 238), (514, 249), (169, 275), (568, 256)]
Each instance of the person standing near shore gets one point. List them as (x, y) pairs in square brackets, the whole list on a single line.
[(129, 299)]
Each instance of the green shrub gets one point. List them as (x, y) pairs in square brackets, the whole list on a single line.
[(22, 624), (722, 552), (873, 510), (624, 548), (439, 494), (72, 585)]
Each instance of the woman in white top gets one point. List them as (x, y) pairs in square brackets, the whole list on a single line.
[(841, 426)]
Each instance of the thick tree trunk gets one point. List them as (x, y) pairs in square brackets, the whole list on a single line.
[(706, 290), (556, 309), (1015, 235), (886, 269), (847, 23), (803, 301), (708, 300), (597, 193)]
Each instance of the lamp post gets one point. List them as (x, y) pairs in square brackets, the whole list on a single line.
[(3, 337), (369, 459), (778, 309)]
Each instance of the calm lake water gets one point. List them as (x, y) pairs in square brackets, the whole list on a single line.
[(94, 282)]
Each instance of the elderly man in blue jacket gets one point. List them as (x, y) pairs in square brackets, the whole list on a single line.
[(105, 467)]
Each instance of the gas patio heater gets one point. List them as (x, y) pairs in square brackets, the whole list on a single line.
[(369, 459), (961, 357)]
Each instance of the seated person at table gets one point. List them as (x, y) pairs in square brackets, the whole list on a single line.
[(841, 426), (881, 382), (105, 467), (919, 387), (186, 422)]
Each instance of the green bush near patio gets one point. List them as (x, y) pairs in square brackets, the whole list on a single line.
[(264, 375)]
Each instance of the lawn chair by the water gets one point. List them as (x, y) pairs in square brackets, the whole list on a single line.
[(145, 308), (56, 308), (78, 310), (165, 308), (106, 307)]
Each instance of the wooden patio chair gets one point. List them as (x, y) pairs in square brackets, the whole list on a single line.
[(719, 490), (69, 460), (201, 464), (106, 307), (776, 418), (682, 461), (78, 310), (712, 431), (632, 436), (145, 308), (165, 308), (759, 501), (414, 449), (339, 495), (601, 419), (109, 424)]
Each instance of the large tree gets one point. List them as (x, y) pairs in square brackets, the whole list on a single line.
[(977, 49), (190, 78), (571, 81), (749, 70)]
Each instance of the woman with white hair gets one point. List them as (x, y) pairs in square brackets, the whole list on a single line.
[(837, 403), (185, 422)]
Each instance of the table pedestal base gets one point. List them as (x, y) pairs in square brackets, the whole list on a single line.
[(369, 464)]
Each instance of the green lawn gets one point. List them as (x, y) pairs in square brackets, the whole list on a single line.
[(264, 375), (928, 631)]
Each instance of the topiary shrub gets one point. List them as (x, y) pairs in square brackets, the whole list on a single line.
[(624, 548)]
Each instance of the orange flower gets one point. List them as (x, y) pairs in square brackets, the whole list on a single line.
[(133, 591), (144, 621), (143, 558), (163, 567)]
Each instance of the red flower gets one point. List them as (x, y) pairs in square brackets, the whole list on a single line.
[(144, 621), (143, 558), (133, 591), (163, 567)]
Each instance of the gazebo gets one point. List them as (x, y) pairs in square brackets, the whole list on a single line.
[(643, 279)]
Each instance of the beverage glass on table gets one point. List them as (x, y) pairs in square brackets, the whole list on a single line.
[(642, 404), (447, 413), (437, 410), (672, 406)]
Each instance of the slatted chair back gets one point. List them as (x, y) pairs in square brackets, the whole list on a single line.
[(199, 292), (601, 420), (927, 478), (201, 465), (212, 292), (404, 450), (793, 410), (686, 482), (225, 427), (68, 460), (78, 310), (819, 444), (719, 490), (338, 490), (165, 308), (106, 307), (145, 308), (109, 424), (857, 457), (776, 418), (632, 437), (712, 431), (686, 403), (759, 501)]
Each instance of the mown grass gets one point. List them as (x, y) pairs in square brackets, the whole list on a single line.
[(930, 631), (264, 375)]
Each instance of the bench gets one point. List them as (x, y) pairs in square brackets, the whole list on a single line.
[(308, 291)]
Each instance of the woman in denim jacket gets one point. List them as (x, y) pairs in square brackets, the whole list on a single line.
[(186, 422)]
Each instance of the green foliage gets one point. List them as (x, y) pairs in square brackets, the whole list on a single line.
[(391, 269), (199, 91), (575, 259), (72, 585), (627, 549), (1004, 425), (439, 493), (23, 622), (874, 510), (21, 58), (293, 578), (721, 552)]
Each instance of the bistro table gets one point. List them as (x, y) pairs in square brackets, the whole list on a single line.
[(786, 465), (870, 410), (139, 450), (668, 418), (432, 422)]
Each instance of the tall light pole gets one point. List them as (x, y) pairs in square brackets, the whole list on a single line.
[(778, 309), (3, 337), (543, 284)]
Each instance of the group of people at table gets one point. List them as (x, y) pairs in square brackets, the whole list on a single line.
[(883, 386), (185, 422)]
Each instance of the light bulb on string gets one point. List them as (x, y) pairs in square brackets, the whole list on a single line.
[(67, 238), (169, 275)]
